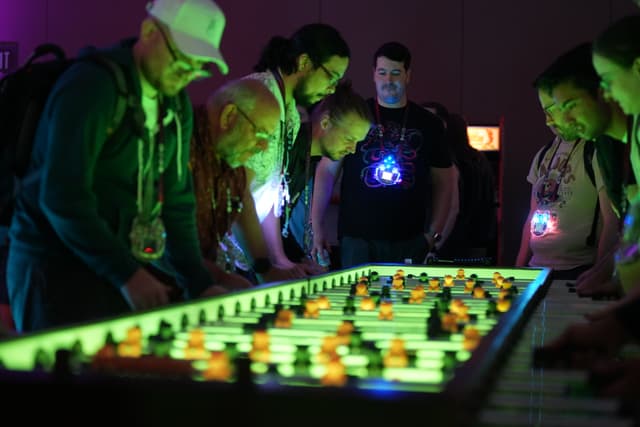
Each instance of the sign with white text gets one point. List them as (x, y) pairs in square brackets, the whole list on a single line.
[(8, 57)]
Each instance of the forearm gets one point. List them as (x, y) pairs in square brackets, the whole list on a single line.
[(442, 190), (608, 242), (322, 191), (248, 230), (273, 238), (179, 216), (524, 253), (452, 217), (610, 235)]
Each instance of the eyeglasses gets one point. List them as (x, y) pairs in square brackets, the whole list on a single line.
[(183, 67), (260, 133), (334, 78)]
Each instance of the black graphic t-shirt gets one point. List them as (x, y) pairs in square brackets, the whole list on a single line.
[(386, 183)]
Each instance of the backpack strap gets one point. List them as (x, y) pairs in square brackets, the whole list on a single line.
[(543, 153), (46, 49), (591, 238), (588, 151), (123, 100)]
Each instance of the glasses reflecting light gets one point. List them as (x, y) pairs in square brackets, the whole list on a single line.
[(260, 133), (180, 62), (334, 78)]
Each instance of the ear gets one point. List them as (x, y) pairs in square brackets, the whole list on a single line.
[(602, 95), (304, 62), (408, 76), (325, 121), (147, 29), (228, 116), (635, 66)]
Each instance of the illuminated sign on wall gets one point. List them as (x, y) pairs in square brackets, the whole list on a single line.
[(484, 138), (8, 57)]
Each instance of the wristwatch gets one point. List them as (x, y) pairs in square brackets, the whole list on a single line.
[(261, 265), (435, 236)]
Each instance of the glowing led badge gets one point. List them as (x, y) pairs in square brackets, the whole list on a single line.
[(148, 238), (542, 222), (387, 171)]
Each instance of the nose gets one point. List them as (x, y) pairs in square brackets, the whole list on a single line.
[(351, 148), (568, 117), (262, 144)]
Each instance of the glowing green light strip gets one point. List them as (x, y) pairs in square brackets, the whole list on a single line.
[(18, 353)]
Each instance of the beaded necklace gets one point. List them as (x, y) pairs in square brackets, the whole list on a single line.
[(284, 198)]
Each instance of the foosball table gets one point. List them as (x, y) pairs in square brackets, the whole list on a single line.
[(374, 343)]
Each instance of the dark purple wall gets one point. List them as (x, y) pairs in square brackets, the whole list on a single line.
[(477, 57)]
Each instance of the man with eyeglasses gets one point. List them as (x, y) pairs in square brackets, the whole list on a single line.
[(238, 121), (592, 115), (99, 206), (300, 71), (563, 229)]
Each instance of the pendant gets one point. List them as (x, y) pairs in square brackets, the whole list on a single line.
[(148, 239)]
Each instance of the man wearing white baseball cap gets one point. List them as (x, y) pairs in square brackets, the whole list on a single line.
[(108, 196)]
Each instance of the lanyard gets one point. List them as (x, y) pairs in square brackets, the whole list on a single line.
[(381, 126), (284, 198), (566, 162), (144, 201), (547, 193)]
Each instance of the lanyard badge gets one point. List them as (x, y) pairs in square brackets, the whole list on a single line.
[(629, 250), (387, 171), (542, 222), (147, 239)]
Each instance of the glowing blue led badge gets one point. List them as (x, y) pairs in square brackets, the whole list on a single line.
[(387, 171), (542, 222)]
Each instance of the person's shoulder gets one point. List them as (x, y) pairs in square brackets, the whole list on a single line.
[(426, 117), (119, 54), (102, 69)]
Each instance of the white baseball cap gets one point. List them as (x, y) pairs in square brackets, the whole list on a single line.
[(196, 27)]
